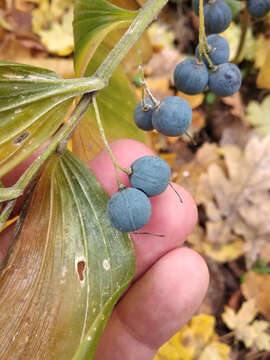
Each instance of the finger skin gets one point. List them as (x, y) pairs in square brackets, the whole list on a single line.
[(171, 281), (155, 307), (170, 218)]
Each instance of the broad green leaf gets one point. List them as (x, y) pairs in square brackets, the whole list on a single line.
[(66, 269), (116, 105), (93, 20), (33, 104), (236, 7), (24, 84)]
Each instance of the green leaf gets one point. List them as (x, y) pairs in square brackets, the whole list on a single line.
[(66, 270), (236, 7), (116, 105), (93, 21), (33, 104)]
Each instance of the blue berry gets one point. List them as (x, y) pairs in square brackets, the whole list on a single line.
[(258, 8), (129, 210), (217, 17), (173, 116), (219, 50), (226, 80), (150, 174), (191, 76), (143, 117)]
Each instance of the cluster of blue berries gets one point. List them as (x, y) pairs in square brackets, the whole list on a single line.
[(212, 69), (129, 209), (217, 15), (171, 117)]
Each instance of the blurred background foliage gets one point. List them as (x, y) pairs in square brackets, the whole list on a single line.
[(226, 169)]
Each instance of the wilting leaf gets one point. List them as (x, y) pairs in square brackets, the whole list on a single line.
[(93, 20), (66, 269), (33, 103), (197, 340), (252, 333)]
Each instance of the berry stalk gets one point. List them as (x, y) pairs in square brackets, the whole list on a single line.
[(203, 46), (107, 146)]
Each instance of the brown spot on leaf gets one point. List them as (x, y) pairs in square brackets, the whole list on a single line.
[(21, 138)]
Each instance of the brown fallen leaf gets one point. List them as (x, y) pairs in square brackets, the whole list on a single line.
[(237, 200), (236, 103), (253, 333), (257, 287), (163, 64), (265, 252), (188, 174)]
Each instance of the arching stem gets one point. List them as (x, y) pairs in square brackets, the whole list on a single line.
[(107, 146)]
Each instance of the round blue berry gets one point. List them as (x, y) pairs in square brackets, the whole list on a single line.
[(217, 16), (129, 210), (150, 174), (219, 50), (191, 76), (258, 8), (143, 115), (173, 116), (226, 80)]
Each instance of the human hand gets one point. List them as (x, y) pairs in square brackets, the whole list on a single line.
[(170, 281)]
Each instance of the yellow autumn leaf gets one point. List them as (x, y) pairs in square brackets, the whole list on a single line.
[(224, 252), (258, 115), (263, 79), (253, 333), (194, 100), (52, 21), (233, 35), (262, 49), (197, 340), (161, 37)]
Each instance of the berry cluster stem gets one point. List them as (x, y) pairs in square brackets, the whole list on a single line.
[(146, 15), (143, 84), (203, 46), (107, 146)]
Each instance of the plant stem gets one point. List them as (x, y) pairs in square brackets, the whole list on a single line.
[(146, 15), (203, 46), (244, 27), (107, 146), (201, 29)]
